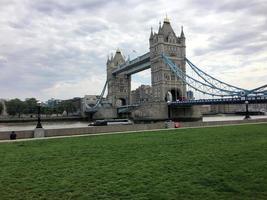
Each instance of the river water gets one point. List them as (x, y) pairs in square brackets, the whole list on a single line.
[(46, 125), (79, 124)]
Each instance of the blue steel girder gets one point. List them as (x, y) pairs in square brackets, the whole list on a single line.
[(211, 85), (251, 100), (203, 87), (260, 90), (215, 83), (134, 66)]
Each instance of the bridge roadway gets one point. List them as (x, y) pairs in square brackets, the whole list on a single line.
[(251, 100), (134, 66), (127, 108)]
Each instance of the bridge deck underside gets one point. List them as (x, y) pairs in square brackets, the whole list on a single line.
[(139, 64), (126, 109)]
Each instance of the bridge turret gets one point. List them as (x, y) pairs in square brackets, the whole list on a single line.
[(119, 86), (163, 80), (118, 58)]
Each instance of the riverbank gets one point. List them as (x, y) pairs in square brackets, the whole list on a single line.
[(45, 119), (4, 135)]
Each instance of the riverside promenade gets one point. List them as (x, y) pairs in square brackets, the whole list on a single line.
[(95, 130)]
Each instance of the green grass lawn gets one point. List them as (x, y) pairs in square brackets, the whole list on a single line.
[(207, 163)]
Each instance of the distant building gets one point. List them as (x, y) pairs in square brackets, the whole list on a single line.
[(141, 94), (51, 103)]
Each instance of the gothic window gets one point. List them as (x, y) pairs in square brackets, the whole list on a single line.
[(166, 76)]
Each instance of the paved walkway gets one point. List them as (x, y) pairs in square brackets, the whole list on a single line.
[(112, 133)]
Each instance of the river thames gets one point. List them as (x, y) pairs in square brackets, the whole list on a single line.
[(79, 124)]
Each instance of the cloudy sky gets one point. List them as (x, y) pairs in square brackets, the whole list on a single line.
[(58, 48)]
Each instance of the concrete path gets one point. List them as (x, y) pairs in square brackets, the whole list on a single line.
[(112, 133)]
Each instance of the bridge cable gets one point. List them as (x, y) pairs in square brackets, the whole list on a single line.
[(191, 81)]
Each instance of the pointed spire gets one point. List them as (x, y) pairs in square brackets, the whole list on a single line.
[(166, 20), (118, 50), (151, 34), (159, 28), (182, 32)]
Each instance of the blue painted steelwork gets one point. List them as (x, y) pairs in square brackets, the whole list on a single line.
[(203, 87), (215, 82), (134, 66), (211, 85), (237, 100), (260, 90), (230, 94)]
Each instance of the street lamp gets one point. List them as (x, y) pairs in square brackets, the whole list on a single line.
[(39, 125), (247, 113)]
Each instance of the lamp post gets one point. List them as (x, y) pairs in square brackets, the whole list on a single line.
[(247, 113), (39, 125)]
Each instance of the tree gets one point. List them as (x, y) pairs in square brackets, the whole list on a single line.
[(15, 106), (31, 106), (47, 110), (67, 106)]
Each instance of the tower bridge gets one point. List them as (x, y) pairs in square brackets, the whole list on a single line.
[(169, 81), (139, 64)]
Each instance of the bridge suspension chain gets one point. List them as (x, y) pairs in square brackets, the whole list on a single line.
[(213, 81), (225, 86), (200, 86), (260, 90)]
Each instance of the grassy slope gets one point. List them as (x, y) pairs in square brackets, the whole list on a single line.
[(211, 163)]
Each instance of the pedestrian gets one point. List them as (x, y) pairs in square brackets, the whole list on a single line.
[(13, 135)]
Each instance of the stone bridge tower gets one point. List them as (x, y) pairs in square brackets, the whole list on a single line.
[(165, 84), (119, 86)]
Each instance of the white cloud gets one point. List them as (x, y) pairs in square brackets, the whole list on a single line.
[(65, 90), (53, 48)]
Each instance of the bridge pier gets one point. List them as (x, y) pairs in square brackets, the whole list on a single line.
[(161, 111), (106, 113), (185, 113)]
